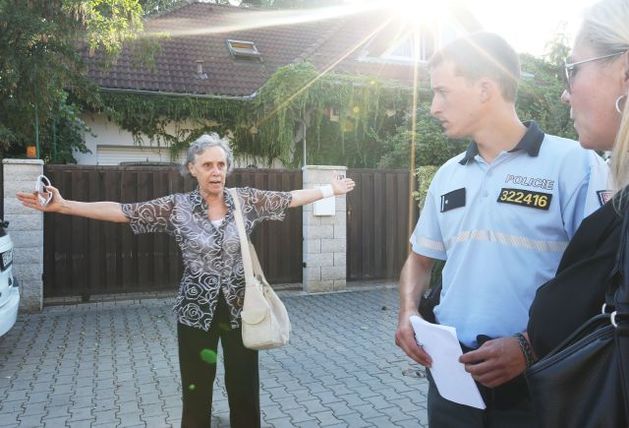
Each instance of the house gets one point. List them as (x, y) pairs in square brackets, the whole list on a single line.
[(229, 53)]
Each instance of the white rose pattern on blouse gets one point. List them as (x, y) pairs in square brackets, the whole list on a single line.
[(211, 255)]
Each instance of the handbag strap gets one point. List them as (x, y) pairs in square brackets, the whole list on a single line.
[(250, 261), (617, 292), (255, 261), (620, 317), (244, 241), (619, 274), (621, 297)]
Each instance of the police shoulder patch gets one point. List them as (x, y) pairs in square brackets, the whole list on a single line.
[(604, 196)]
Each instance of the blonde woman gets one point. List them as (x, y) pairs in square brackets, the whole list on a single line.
[(597, 85)]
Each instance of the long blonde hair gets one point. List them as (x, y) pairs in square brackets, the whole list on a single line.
[(605, 28)]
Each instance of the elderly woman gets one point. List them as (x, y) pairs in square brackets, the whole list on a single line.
[(597, 84), (211, 290)]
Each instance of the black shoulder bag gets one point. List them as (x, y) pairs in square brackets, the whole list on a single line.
[(584, 382), (432, 295)]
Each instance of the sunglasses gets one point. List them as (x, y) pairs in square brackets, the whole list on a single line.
[(43, 195), (571, 68)]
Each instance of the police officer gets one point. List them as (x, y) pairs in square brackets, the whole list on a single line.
[(500, 215)]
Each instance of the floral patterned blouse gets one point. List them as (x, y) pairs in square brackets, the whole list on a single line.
[(211, 255)]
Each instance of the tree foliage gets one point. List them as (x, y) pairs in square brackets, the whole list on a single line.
[(345, 118), (431, 145), (350, 120), (539, 97), (42, 84), (149, 116), (357, 121)]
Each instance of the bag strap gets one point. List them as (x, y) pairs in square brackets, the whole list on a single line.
[(620, 316), (622, 294), (257, 267), (245, 251), (617, 294), (618, 275)]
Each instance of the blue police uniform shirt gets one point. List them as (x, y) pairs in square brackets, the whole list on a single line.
[(502, 228)]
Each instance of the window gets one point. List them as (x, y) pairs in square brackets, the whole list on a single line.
[(403, 51), (243, 49)]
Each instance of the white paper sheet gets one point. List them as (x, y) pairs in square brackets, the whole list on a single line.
[(451, 379)]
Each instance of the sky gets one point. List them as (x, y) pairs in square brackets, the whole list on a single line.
[(526, 24)]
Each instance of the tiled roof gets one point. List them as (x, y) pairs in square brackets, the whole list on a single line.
[(198, 32)]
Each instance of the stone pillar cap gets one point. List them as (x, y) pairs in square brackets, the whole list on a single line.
[(23, 161)]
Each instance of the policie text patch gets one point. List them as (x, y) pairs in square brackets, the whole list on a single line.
[(526, 198), (453, 199)]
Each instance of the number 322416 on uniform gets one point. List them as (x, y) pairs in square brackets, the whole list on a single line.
[(525, 198)]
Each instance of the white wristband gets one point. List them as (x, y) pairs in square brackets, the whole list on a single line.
[(327, 191)]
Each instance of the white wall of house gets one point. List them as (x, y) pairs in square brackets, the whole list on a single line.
[(111, 145)]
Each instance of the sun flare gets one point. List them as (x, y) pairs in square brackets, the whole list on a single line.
[(423, 11)]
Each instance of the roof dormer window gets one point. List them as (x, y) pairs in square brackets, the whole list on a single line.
[(407, 48), (243, 49), (404, 50)]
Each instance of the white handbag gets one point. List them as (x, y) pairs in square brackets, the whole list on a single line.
[(265, 323)]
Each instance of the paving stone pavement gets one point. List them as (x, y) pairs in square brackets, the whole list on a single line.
[(115, 364)]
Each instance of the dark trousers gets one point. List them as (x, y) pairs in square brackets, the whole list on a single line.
[(505, 409), (197, 362)]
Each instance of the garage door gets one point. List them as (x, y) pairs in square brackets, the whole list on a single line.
[(114, 155)]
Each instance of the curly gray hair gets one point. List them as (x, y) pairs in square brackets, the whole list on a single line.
[(203, 143)]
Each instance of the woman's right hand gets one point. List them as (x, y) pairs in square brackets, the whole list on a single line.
[(32, 200), (342, 185)]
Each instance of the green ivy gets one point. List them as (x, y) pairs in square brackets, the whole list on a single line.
[(424, 176), (371, 126), (369, 111), (150, 115)]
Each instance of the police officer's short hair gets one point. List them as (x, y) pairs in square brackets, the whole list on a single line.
[(483, 54)]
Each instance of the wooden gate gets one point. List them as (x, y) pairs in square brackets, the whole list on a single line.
[(84, 257), (2, 191), (377, 224)]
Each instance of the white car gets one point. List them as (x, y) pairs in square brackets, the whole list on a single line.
[(9, 290)]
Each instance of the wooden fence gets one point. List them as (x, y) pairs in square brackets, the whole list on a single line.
[(2, 191), (84, 257), (377, 224)]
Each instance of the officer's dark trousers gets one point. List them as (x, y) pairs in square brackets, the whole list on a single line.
[(196, 347), (443, 413)]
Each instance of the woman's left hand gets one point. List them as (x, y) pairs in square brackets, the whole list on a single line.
[(342, 186)]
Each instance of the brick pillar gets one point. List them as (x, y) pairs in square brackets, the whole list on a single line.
[(26, 227), (325, 235)]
